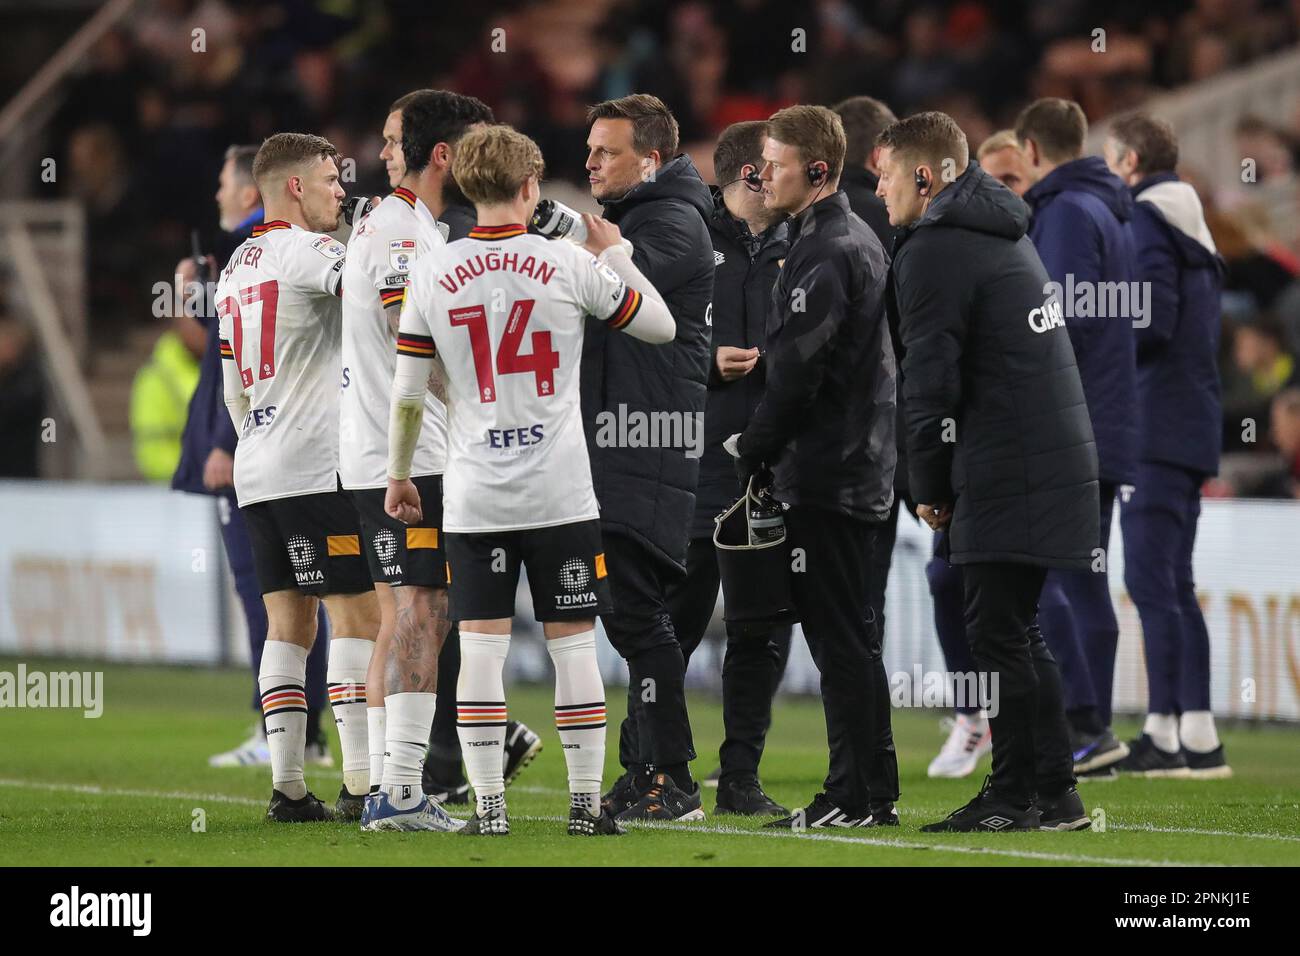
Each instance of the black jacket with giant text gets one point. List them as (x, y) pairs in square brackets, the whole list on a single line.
[(997, 424)]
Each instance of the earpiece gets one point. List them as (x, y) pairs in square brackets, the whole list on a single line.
[(753, 182), (816, 173), (922, 184)]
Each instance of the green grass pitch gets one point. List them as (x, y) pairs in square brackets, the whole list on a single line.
[(122, 790)]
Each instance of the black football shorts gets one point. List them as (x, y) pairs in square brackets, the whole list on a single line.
[(400, 554), (565, 565), (311, 543)]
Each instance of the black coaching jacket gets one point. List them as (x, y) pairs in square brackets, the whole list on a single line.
[(746, 267), (825, 425), (648, 493), (997, 424)]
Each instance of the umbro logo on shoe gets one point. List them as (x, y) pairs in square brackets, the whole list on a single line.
[(835, 818), (996, 822)]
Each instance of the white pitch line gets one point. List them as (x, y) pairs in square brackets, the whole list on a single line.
[(96, 790), (911, 845), (1151, 828)]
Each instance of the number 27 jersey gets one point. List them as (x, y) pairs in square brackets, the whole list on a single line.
[(503, 310), (280, 326)]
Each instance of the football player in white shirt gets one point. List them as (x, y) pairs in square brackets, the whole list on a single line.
[(407, 563), (503, 312), (279, 314)]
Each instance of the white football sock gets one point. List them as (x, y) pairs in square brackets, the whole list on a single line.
[(1196, 731), (1163, 731), (481, 714), (580, 715), (346, 677), (410, 717), (281, 680), (375, 732)]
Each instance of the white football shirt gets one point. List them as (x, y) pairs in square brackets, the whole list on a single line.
[(381, 253), (503, 311), (280, 322)]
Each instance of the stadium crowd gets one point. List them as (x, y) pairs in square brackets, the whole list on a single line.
[(145, 103)]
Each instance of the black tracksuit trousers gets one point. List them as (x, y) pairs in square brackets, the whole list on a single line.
[(1031, 743)]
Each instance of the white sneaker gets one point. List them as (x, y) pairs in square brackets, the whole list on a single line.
[(317, 755), (253, 752), (969, 740)]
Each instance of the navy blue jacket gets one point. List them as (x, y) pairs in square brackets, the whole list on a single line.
[(208, 425), (1179, 405), (1080, 229)]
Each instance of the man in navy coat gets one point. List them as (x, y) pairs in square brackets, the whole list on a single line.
[(1179, 419), (1081, 212)]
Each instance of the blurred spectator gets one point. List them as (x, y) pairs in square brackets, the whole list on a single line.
[(1264, 368), (1285, 432), (148, 108), (22, 400), (117, 221), (926, 71), (160, 399)]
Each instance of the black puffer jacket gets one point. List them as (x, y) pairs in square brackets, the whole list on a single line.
[(826, 423), (985, 363), (747, 267), (459, 219), (649, 492)]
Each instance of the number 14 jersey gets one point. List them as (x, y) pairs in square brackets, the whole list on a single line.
[(503, 311)]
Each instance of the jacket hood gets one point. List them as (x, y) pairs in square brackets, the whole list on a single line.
[(1178, 203), (676, 179), (1090, 175), (978, 202)]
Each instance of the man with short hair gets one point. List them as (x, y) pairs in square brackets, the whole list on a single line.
[(518, 487), (1002, 158), (1179, 414), (647, 494), (749, 243), (1081, 212), (987, 362), (278, 303), (863, 118), (407, 562), (824, 428), (207, 466)]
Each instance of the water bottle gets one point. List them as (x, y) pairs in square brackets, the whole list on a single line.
[(555, 220), (766, 523)]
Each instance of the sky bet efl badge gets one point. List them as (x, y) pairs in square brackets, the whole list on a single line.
[(400, 252)]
